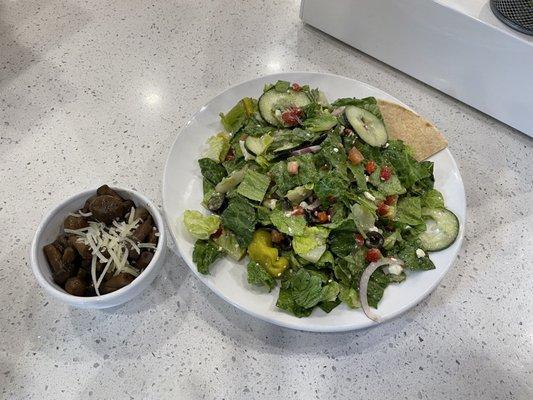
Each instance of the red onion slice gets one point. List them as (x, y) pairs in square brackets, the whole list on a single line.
[(363, 284), (305, 150)]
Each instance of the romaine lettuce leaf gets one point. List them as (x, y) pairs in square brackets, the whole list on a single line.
[(200, 226), (204, 254), (326, 260), (231, 181), (363, 217), (240, 218), (320, 123), (432, 199), (341, 243), (293, 225), (332, 153), (228, 242), (254, 185), (258, 276), (407, 253), (409, 211), (306, 288), (349, 296), (299, 193), (286, 302), (235, 118), (307, 172), (312, 244), (218, 147), (331, 187), (409, 170), (387, 188), (330, 291), (284, 181), (358, 172), (211, 170)]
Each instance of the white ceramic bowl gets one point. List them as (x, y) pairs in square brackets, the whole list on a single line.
[(52, 225)]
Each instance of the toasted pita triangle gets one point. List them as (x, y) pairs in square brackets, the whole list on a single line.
[(419, 134)]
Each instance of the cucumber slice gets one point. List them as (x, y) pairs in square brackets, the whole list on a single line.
[(272, 100), (367, 126), (442, 228)]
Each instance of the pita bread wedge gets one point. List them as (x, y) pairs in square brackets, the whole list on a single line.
[(419, 134)]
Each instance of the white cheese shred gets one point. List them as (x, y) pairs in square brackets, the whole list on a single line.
[(110, 246)]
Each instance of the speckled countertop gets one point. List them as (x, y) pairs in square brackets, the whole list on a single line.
[(94, 92)]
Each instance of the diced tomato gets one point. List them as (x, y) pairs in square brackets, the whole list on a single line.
[(391, 200), (373, 255), (292, 116), (370, 166), (355, 156), (359, 240), (322, 217), (383, 209), (296, 87), (385, 173)]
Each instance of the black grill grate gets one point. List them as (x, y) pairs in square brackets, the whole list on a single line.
[(518, 14)]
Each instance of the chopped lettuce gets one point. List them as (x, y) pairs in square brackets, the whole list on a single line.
[(231, 181), (258, 276), (299, 193), (306, 288), (200, 226), (218, 147), (312, 244), (211, 170), (254, 185), (235, 118), (205, 253), (407, 253), (408, 170), (258, 188), (240, 218), (228, 242), (330, 188), (322, 122), (349, 296), (432, 199), (363, 217), (342, 242), (390, 187), (330, 291), (409, 211), (293, 225)]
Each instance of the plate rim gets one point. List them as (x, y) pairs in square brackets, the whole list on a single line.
[(295, 325)]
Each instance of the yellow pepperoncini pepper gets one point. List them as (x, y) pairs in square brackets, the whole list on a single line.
[(262, 252)]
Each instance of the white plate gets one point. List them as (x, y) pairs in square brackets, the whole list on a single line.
[(182, 190)]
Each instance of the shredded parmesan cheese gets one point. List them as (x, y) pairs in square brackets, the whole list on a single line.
[(111, 245)]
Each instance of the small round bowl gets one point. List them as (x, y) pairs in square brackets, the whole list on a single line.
[(52, 225)]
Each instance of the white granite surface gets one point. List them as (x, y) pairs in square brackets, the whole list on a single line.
[(95, 91)]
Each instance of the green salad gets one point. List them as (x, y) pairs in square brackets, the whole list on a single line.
[(318, 198)]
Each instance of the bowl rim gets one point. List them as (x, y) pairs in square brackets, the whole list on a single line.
[(95, 300)]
